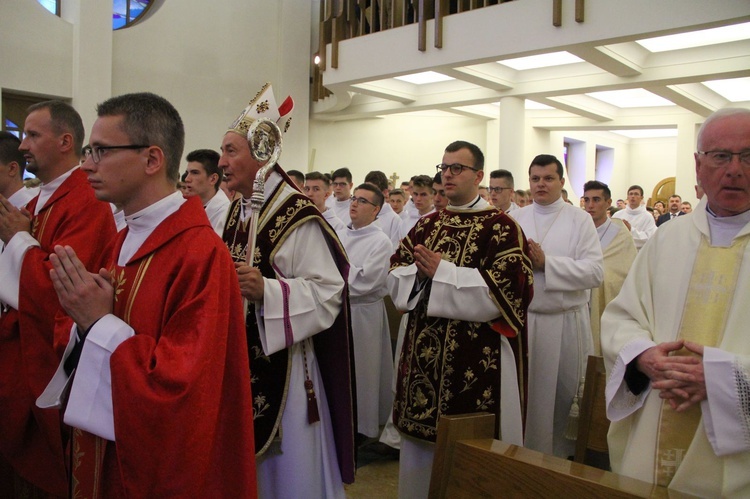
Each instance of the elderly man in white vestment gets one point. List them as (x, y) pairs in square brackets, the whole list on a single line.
[(369, 250), (675, 340), (618, 250), (567, 260)]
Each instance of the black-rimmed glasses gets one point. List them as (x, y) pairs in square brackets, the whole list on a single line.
[(723, 158), (499, 190), (360, 200), (95, 152), (455, 168)]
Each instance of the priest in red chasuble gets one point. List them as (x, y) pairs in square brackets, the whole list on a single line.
[(33, 327), (159, 389), (465, 277), (297, 320)]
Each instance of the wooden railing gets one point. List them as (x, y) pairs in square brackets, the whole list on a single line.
[(344, 19)]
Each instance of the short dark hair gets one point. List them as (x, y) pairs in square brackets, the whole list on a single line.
[(473, 149), (9, 151), (437, 179), (378, 179), (422, 181), (547, 159), (379, 198), (210, 161), (674, 196), (598, 186), (397, 192), (342, 172), (298, 175), (150, 119), (318, 176), (521, 192), (638, 187), (64, 119), (503, 174)]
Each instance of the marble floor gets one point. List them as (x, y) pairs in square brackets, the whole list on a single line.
[(377, 472)]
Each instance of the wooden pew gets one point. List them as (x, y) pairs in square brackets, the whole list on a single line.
[(470, 463)]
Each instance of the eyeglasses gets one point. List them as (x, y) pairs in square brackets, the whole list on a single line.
[(455, 168), (360, 200), (723, 158), (339, 184), (95, 152), (499, 190)]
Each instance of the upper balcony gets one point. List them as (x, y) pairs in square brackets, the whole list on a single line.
[(474, 47)]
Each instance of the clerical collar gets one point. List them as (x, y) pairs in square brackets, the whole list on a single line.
[(725, 229), (152, 215), (47, 190), (272, 180), (553, 207), (475, 204)]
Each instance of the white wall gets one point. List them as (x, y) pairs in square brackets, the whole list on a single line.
[(207, 58), (406, 144)]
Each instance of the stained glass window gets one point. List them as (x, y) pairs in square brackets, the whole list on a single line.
[(124, 12)]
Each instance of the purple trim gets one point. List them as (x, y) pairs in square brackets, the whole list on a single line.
[(288, 333)]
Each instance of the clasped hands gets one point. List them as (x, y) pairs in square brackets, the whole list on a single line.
[(680, 378), (86, 297), (12, 220), (536, 254), (426, 261)]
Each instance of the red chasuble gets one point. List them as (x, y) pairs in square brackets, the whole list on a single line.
[(33, 338), (180, 386), (451, 366)]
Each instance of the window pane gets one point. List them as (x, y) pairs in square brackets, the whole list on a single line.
[(122, 17), (50, 5)]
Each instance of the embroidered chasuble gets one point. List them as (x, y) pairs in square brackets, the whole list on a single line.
[(712, 286), (33, 338), (452, 366), (180, 395), (333, 347)]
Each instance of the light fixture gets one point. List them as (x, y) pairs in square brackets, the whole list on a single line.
[(733, 89), (316, 60), (634, 97), (698, 38), (541, 61), (424, 78)]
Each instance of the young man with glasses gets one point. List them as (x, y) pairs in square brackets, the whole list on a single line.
[(466, 290), (369, 250), (567, 260), (32, 322), (502, 190), (157, 358), (675, 340)]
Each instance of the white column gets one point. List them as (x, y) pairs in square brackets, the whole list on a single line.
[(511, 130), (92, 55), (687, 133)]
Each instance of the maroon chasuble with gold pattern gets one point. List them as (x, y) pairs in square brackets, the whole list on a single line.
[(452, 366)]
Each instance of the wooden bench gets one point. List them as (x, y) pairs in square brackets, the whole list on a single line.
[(470, 463)]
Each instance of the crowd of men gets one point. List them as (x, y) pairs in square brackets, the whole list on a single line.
[(157, 341)]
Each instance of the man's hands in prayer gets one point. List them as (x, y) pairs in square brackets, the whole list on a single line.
[(679, 378), (537, 255), (251, 282), (12, 220), (427, 262), (86, 297)]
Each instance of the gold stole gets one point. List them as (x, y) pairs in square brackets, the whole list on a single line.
[(709, 297)]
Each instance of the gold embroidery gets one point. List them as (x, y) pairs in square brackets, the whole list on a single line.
[(142, 269)]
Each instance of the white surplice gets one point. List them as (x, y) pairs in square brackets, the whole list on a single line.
[(216, 211), (558, 325), (648, 311), (391, 224), (304, 462), (341, 209), (642, 223), (369, 250)]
